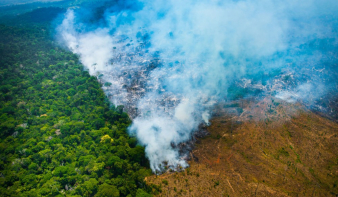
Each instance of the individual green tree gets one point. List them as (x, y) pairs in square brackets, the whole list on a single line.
[(142, 193), (106, 190)]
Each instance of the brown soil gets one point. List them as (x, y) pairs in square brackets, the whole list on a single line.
[(293, 157)]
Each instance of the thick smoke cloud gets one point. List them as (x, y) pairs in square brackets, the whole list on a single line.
[(173, 60)]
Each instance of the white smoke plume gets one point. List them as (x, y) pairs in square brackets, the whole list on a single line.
[(171, 60)]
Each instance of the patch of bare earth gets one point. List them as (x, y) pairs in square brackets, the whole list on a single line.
[(296, 156)]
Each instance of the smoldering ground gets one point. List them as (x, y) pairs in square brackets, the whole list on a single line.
[(169, 62)]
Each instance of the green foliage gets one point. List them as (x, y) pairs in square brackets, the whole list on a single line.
[(283, 152), (141, 193), (165, 182), (53, 116), (106, 190), (216, 183)]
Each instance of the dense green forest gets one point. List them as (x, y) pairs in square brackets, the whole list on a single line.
[(59, 136)]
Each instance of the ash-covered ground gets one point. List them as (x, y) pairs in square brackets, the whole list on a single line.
[(130, 80)]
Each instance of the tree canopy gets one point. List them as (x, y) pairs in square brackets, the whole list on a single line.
[(59, 136)]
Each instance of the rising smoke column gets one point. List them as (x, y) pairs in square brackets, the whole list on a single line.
[(201, 48)]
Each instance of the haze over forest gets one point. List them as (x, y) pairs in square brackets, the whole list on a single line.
[(16, 2)]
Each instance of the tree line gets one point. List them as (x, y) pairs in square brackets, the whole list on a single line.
[(59, 136)]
